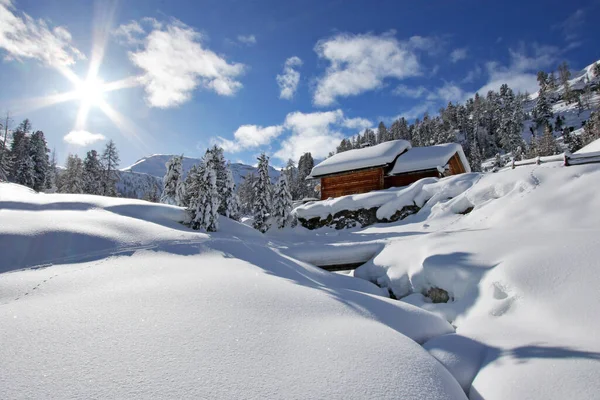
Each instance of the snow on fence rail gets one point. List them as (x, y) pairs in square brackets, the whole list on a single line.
[(566, 157)]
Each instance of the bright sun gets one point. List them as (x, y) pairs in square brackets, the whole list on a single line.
[(91, 91)]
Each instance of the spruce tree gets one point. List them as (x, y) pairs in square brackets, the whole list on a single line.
[(382, 133), (52, 176), (565, 75), (246, 194), (71, 180), (22, 168), (305, 165), (204, 207), (262, 195), (191, 186), (110, 160), (38, 151), (511, 120), (475, 157), (542, 111), (547, 144), (591, 129), (173, 182), (220, 166), (92, 173), (230, 197), (282, 202)]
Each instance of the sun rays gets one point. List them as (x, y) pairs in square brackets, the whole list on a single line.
[(90, 91)]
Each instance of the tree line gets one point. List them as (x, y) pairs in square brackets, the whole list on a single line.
[(27, 161), (491, 125), (209, 190)]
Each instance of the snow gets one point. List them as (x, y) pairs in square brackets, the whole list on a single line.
[(142, 307), (431, 157), (139, 306), (590, 148), (430, 190), (155, 165), (373, 156)]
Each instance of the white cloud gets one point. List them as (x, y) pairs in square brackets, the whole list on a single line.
[(429, 44), (360, 63), (83, 138), (458, 54), (473, 74), (571, 25), (357, 123), (130, 33), (317, 133), (248, 40), (25, 37), (248, 137), (288, 81), (521, 73), (175, 63), (414, 93)]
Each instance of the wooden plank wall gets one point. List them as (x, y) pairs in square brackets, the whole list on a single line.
[(408, 178), (352, 183), (456, 166)]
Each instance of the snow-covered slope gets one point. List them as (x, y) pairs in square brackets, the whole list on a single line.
[(155, 165), (517, 252), (121, 301)]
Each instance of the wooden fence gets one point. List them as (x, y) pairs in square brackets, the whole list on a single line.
[(567, 159)]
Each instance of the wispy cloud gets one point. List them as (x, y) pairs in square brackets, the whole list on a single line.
[(571, 26), (290, 78), (249, 137), (130, 33), (175, 62), (360, 63), (83, 138), (458, 54), (24, 37), (248, 40)]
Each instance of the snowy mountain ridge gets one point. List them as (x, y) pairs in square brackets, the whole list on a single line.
[(155, 165)]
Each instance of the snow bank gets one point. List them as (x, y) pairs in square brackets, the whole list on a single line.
[(430, 190), (165, 312), (373, 156), (430, 157), (521, 272)]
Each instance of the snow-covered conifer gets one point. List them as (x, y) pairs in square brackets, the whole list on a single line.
[(71, 180), (173, 182), (547, 144), (282, 202), (92, 173), (38, 152), (262, 195), (110, 159), (229, 197), (204, 207)]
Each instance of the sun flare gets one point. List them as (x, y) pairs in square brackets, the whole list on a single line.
[(90, 91)]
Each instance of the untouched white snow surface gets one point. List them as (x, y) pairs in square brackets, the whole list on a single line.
[(373, 156), (521, 270), (430, 157), (135, 305)]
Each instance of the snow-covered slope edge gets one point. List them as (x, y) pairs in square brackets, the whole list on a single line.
[(161, 311)]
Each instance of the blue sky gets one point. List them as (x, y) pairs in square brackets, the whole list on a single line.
[(274, 76)]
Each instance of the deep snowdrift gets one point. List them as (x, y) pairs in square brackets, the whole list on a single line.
[(164, 312), (520, 268)]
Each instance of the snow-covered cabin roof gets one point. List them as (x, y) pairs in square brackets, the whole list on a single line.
[(374, 156), (430, 157)]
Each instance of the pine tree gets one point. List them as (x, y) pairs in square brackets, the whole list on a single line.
[(511, 120), (542, 112), (191, 186), (110, 160), (547, 144), (229, 196), (291, 174), (204, 207), (565, 75), (52, 176), (173, 182), (5, 156), (552, 82), (220, 166), (246, 194), (475, 157), (38, 152), (262, 195), (382, 133), (92, 173), (282, 202), (572, 142), (22, 169), (305, 165), (71, 180)]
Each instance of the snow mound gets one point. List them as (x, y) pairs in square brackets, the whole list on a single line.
[(142, 307)]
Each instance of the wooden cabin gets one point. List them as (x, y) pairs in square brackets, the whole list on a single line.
[(390, 164)]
